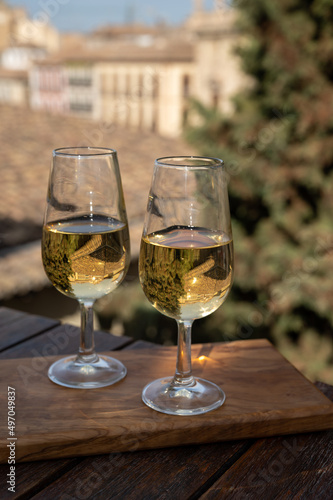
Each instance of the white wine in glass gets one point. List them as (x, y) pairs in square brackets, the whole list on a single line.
[(85, 251), (186, 268)]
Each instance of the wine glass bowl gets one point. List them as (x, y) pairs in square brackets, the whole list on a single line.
[(85, 250), (186, 268)]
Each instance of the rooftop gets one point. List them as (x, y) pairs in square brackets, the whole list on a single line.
[(27, 140), (173, 51)]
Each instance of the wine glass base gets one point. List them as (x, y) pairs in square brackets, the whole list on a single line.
[(165, 396), (71, 372)]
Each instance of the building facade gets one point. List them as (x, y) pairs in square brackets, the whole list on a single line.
[(16, 28), (143, 88), (48, 87), (14, 87), (218, 76), (23, 41), (146, 89), (141, 77)]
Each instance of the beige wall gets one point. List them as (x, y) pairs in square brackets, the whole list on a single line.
[(13, 91), (172, 102), (39, 34), (17, 28), (143, 95), (218, 74), (5, 18), (153, 95)]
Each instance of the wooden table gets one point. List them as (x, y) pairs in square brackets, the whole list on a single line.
[(287, 467)]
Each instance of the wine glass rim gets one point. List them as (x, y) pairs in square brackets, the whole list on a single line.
[(207, 161), (83, 151)]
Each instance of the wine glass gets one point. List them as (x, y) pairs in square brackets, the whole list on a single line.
[(186, 268), (85, 251)]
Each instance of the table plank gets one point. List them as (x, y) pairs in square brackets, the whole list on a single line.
[(190, 471), (8, 315), (288, 468), (33, 477), (62, 340), (187, 468), (176, 473), (182, 472), (17, 327), (285, 467), (56, 422)]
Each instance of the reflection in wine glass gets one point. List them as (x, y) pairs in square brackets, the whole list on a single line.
[(186, 268), (85, 250)]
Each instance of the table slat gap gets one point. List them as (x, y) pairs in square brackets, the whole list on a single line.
[(223, 469)]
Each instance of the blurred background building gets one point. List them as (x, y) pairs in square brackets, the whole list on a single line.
[(132, 75)]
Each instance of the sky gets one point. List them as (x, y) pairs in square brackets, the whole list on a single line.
[(87, 15)]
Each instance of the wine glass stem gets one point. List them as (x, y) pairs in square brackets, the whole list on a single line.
[(183, 375), (87, 352)]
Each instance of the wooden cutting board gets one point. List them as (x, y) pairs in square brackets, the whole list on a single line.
[(265, 396)]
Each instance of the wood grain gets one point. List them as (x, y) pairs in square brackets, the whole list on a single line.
[(16, 326), (286, 467), (9, 315), (62, 340), (266, 396), (164, 474), (277, 465), (35, 476)]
